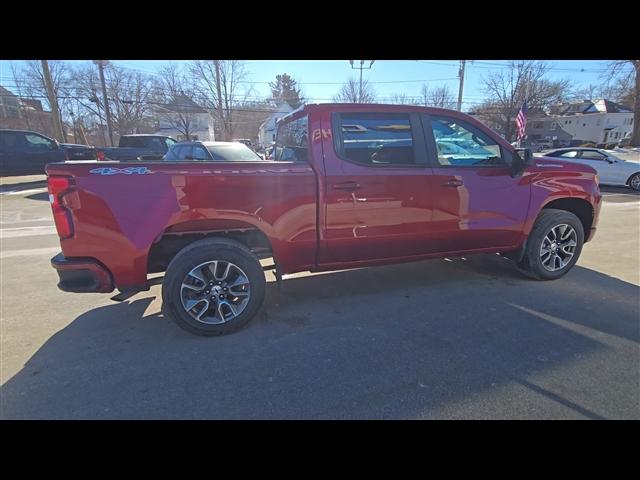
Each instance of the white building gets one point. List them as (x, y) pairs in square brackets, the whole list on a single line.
[(183, 115), (267, 131), (600, 122)]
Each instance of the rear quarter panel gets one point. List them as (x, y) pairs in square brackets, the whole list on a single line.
[(118, 216)]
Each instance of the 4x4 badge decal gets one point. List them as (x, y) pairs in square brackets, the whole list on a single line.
[(126, 171)]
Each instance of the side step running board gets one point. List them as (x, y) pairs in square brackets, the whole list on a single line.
[(127, 294)]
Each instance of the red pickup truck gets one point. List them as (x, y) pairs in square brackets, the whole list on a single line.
[(350, 186)]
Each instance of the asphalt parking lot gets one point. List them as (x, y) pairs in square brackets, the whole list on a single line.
[(445, 339)]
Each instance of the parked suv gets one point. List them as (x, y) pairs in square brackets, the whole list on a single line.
[(23, 152), (352, 185)]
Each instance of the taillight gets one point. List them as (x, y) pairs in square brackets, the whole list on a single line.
[(100, 155), (58, 187)]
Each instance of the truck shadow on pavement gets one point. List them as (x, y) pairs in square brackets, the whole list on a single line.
[(464, 338)]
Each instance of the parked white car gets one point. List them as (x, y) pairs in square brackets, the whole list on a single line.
[(611, 169)]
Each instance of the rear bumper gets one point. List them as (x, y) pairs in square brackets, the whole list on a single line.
[(81, 275)]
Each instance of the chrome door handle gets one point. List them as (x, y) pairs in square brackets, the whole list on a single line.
[(349, 186), (453, 183)]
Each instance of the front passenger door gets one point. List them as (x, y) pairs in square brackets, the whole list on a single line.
[(477, 204), (39, 151)]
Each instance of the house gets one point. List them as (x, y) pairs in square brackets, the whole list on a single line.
[(547, 128), (183, 116), (9, 104), (601, 122), (24, 114), (267, 131)]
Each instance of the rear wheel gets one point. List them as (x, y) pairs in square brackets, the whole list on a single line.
[(213, 287), (634, 182), (554, 245)]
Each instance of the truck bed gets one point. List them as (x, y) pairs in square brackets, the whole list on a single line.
[(122, 212)]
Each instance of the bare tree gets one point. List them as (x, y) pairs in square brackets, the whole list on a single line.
[(216, 83), (174, 91), (439, 97), (129, 95), (401, 99), (508, 89), (34, 85), (628, 91), (350, 92)]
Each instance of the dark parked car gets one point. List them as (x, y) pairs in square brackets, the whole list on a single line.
[(137, 147), (212, 151), (23, 152)]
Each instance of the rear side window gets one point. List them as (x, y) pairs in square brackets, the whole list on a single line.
[(9, 140), (376, 139), (292, 141)]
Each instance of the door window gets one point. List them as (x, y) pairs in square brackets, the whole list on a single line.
[(179, 152), (568, 154), (461, 145), (200, 153), (376, 139), (592, 155), (37, 142)]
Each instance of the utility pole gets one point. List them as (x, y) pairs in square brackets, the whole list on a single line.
[(101, 64), (461, 76), (53, 101), (361, 67), (219, 93)]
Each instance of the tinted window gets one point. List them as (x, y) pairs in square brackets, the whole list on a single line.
[(36, 142), (567, 154), (233, 152), (178, 152), (460, 144), (9, 140), (376, 139), (292, 141), (199, 153), (157, 144), (590, 155)]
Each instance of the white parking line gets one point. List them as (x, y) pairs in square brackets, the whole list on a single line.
[(27, 231), (29, 252), (25, 192)]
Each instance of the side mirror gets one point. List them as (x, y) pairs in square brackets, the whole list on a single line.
[(521, 158)]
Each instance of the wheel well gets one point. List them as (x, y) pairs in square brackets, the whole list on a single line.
[(579, 207), (628, 182), (172, 241)]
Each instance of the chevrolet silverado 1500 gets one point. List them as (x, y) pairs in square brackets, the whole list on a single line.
[(351, 186)]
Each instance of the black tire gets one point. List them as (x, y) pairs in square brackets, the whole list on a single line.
[(531, 264), (632, 178), (200, 252)]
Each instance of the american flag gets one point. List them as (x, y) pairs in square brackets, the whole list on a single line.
[(521, 121)]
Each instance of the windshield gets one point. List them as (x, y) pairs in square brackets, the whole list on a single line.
[(233, 152)]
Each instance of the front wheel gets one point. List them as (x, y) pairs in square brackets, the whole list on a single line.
[(213, 287), (634, 182), (554, 245)]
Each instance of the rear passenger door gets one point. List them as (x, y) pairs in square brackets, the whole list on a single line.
[(377, 201)]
